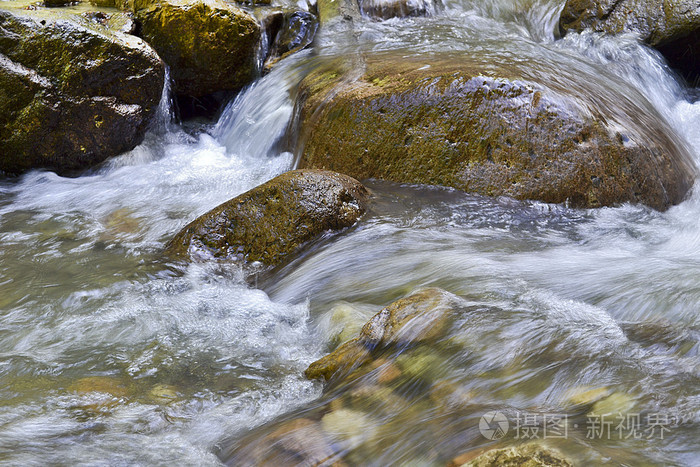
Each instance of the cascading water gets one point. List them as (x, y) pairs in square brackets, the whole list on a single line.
[(109, 355)]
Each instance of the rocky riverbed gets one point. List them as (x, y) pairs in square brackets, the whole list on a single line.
[(349, 233)]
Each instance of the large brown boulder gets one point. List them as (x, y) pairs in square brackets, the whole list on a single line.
[(71, 95), (275, 219), (468, 122), (673, 27)]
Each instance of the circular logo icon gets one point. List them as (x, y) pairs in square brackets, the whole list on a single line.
[(493, 425)]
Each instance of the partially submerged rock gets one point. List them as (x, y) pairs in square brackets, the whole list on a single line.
[(292, 32), (494, 129), (342, 360), (275, 219), (673, 27), (209, 45), (422, 317), (71, 95)]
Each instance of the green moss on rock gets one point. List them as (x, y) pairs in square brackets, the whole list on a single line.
[(71, 95), (275, 219), (209, 46), (673, 27), (657, 22), (490, 129)]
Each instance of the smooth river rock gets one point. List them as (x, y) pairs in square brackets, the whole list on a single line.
[(72, 92), (273, 220), (673, 27), (472, 123)]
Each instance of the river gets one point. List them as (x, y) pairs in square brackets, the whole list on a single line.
[(111, 356)]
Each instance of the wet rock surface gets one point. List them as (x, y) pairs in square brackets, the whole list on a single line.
[(529, 455), (419, 318), (291, 32), (460, 121), (72, 92), (209, 46), (673, 27), (271, 221)]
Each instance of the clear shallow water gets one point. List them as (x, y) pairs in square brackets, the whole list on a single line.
[(110, 356)]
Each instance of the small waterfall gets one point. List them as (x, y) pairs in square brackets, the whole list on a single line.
[(254, 122), (165, 115)]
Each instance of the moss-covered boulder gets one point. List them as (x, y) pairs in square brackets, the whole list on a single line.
[(275, 219), (71, 94), (420, 318), (671, 26), (468, 122), (209, 45)]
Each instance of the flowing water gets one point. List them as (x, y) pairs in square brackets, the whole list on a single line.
[(111, 356)]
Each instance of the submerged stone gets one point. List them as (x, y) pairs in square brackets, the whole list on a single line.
[(495, 129), (612, 405), (345, 321), (294, 442), (342, 360), (528, 455), (72, 92), (422, 316), (351, 426), (274, 220), (419, 318), (585, 395), (102, 384)]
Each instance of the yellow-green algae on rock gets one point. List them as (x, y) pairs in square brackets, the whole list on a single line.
[(275, 219), (527, 455), (463, 121), (209, 45), (73, 91)]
